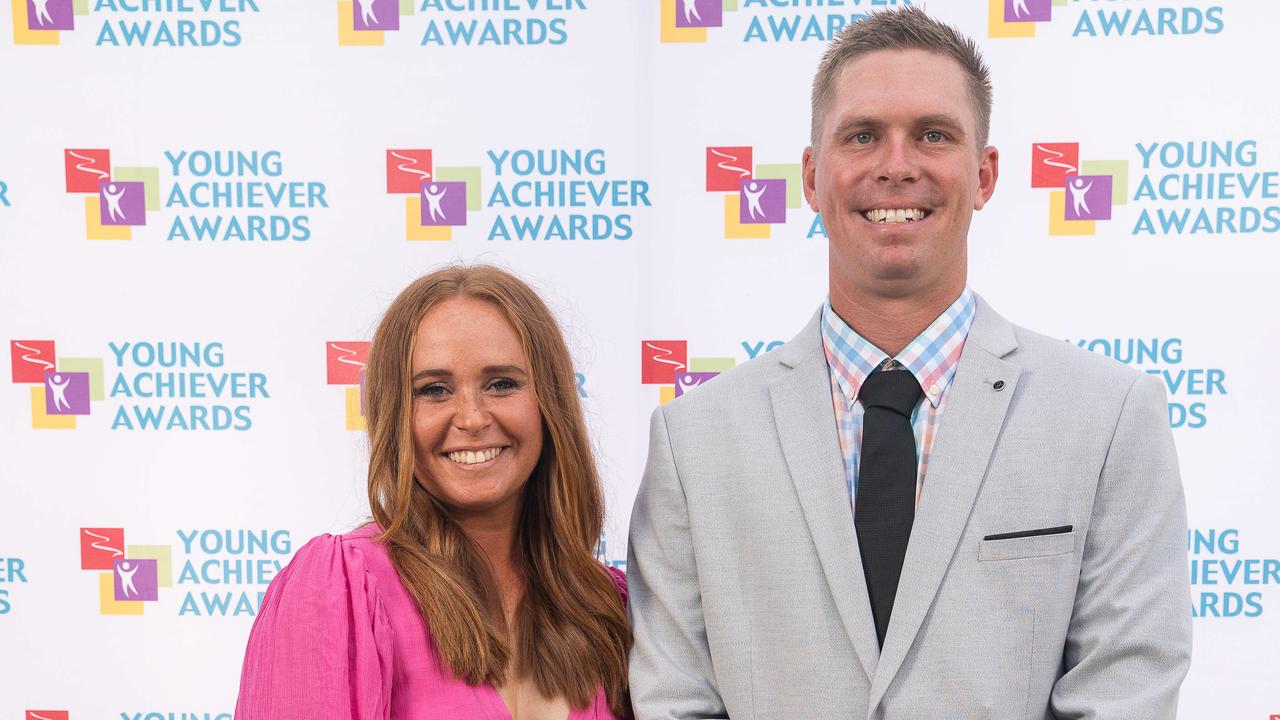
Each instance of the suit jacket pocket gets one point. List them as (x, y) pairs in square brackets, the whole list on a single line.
[(1027, 547)]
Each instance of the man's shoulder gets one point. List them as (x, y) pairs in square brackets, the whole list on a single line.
[(1041, 353), (741, 385)]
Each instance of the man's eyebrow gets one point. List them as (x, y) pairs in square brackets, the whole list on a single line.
[(859, 121), (487, 370), (943, 121)]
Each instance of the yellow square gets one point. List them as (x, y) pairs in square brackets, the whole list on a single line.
[(1058, 211), (998, 28), (162, 554), (734, 228), (413, 227), (347, 33), (93, 227), (669, 33), (108, 604), (355, 421), (41, 420), (666, 394), (23, 35)]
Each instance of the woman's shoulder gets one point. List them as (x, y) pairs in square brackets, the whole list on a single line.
[(350, 555)]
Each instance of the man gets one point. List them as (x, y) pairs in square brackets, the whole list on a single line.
[(914, 509)]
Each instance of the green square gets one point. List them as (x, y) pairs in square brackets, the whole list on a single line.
[(148, 176), (162, 554), (79, 7), (1119, 172), (785, 171), (729, 5), (470, 175), (93, 366), (406, 7), (711, 364)]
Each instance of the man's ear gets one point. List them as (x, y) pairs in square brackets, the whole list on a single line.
[(988, 171)]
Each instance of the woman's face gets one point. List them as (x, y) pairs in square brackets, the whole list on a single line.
[(477, 429)]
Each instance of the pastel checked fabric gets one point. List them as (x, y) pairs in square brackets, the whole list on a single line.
[(931, 357)]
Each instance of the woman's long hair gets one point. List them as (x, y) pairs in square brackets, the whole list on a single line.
[(571, 633)]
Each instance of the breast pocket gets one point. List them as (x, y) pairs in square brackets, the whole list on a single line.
[(996, 548)]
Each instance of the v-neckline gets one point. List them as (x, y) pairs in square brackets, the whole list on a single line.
[(501, 711)]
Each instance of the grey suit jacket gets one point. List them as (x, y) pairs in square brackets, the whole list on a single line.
[(747, 595)]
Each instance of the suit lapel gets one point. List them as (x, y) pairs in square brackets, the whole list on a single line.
[(806, 425), (971, 423)]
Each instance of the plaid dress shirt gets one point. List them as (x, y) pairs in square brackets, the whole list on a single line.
[(931, 357)]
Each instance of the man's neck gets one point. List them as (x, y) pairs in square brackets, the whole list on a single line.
[(891, 323)]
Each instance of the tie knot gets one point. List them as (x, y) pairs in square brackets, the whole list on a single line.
[(895, 390)]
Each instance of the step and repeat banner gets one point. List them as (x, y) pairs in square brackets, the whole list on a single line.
[(206, 205)]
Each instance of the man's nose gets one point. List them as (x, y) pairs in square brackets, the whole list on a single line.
[(898, 161)]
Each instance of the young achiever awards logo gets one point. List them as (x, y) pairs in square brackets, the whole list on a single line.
[(126, 23), (756, 196), (1021, 18), (453, 23), (210, 196)]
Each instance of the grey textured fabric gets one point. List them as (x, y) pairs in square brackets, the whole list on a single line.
[(747, 595)]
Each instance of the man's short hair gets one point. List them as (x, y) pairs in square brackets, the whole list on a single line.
[(905, 28)]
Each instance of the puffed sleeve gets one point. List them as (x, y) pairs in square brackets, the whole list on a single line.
[(321, 645), (620, 582)]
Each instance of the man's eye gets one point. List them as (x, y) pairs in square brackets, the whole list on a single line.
[(862, 138), (933, 136)]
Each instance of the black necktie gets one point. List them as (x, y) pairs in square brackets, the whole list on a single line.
[(886, 499)]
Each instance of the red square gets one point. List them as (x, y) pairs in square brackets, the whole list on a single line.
[(99, 548), (48, 715), (345, 361), (660, 359), (407, 169), (85, 168), (726, 167), (1051, 163), (30, 359)]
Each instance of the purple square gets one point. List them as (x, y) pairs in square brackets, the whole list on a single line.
[(122, 203), (699, 13), (376, 14), (66, 393), (686, 381), (762, 201), (444, 203), (1027, 10), (1088, 197), (136, 579), (50, 15)]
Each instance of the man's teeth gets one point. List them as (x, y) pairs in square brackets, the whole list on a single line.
[(468, 457), (888, 217)]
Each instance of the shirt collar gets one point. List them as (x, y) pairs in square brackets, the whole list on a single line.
[(931, 357)]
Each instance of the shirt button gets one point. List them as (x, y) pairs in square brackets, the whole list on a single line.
[(933, 391)]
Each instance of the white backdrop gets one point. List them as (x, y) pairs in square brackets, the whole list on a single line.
[(304, 98)]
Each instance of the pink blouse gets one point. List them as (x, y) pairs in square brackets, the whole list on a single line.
[(340, 638)]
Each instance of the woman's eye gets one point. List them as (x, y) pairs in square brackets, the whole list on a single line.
[(430, 391), (504, 385)]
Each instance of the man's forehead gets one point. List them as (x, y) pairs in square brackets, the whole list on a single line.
[(898, 84)]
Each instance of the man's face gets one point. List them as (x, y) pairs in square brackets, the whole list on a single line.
[(897, 174)]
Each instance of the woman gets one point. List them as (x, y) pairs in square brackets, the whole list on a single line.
[(474, 593)]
